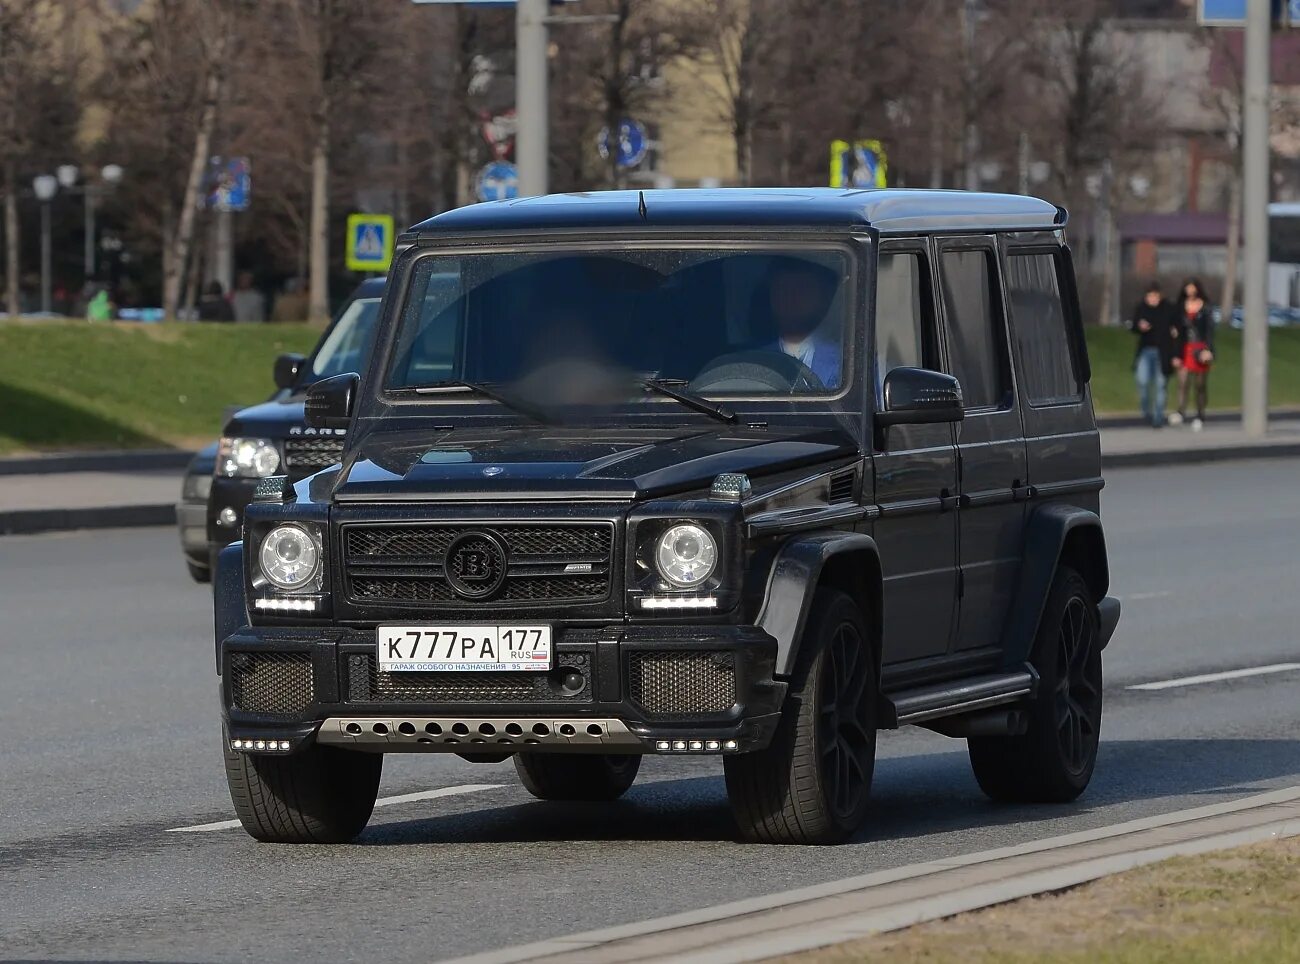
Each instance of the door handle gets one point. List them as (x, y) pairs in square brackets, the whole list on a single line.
[(947, 500), (1022, 493)]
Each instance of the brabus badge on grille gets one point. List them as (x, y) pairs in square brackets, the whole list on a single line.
[(493, 470)]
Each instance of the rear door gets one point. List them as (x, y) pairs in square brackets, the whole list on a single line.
[(915, 469), (993, 479)]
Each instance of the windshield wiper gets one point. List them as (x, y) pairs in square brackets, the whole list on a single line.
[(666, 387), (487, 390)]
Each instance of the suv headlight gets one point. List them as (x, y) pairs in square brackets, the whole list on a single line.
[(686, 555), (289, 558), (247, 458)]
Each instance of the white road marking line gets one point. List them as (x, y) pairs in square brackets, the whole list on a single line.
[(1158, 594), (1169, 684), (381, 802)]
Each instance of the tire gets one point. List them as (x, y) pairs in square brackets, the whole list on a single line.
[(198, 573), (318, 795), (1053, 760), (811, 785), (589, 777)]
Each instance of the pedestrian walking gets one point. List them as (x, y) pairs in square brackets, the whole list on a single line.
[(100, 306), (1156, 326), (213, 306), (1196, 343)]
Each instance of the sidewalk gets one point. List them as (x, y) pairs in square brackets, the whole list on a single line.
[(74, 499), (87, 500)]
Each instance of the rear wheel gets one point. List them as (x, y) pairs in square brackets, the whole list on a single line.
[(319, 795), (1054, 759), (810, 785), (595, 776)]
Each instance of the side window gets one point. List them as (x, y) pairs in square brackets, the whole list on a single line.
[(1048, 370), (902, 315), (976, 332)]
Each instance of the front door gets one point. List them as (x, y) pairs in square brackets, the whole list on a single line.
[(915, 470), (993, 478)]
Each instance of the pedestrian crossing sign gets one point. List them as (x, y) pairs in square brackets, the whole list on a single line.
[(370, 242)]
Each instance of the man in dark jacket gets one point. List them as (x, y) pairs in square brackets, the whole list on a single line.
[(1156, 325)]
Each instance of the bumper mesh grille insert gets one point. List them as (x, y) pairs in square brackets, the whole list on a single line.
[(271, 684), (367, 685), (435, 589), (681, 682)]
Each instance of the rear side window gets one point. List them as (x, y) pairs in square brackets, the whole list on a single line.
[(901, 327), (1050, 374), (976, 333)]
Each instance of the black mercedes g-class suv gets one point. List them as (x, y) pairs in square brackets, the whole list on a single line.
[(750, 473)]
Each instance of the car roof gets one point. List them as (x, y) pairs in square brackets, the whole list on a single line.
[(370, 288), (888, 210)]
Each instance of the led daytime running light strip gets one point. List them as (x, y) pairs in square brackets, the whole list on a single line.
[(259, 744), (679, 602), (694, 746), (298, 605)]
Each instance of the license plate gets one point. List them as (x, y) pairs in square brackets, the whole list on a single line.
[(451, 649)]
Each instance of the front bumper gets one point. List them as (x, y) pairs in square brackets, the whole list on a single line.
[(621, 689), (191, 522)]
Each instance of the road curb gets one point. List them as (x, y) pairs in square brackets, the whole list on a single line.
[(761, 928), (32, 521), (125, 460), (1193, 456)]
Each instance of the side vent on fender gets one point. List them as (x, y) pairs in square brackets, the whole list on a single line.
[(841, 489)]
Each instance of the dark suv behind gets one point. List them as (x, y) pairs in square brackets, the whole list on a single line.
[(746, 473)]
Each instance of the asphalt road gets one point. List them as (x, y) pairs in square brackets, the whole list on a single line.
[(109, 739)]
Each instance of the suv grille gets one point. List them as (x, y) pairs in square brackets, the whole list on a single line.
[(543, 563), (682, 682), (271, 684), (305, 456), (367, 685)]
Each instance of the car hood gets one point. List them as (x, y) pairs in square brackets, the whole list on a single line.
[(617, 464), (271, 419)]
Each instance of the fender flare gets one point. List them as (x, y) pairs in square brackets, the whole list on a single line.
[(230, 608), (792, 582), (1046, 533)]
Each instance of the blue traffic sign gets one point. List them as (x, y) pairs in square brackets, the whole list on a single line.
[(632, 143), (498, 181), (230, 184), (1232, 13), (370, 242)]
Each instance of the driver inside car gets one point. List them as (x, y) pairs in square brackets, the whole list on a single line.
[(799, 295)]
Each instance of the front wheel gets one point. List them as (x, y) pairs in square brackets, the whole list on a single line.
[(595, 776), (1054, 759), (319, 795), (810, 785)]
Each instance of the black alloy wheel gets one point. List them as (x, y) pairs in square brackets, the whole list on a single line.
[(846, 735)]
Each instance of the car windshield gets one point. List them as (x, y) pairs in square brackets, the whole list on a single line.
[(347, 348), (582, 326)]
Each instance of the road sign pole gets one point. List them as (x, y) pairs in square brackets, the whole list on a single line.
[(531, 101), (1255, 178)]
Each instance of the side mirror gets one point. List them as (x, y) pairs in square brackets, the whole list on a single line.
[(287, 367), (917, 396), (329, 402)]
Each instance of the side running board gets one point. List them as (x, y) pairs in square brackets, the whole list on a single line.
[(960, 696)]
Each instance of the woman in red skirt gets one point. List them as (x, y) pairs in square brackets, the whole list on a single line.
[(1197, 350)]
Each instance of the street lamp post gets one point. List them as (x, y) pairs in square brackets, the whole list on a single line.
[(109, 176), (45, 186)]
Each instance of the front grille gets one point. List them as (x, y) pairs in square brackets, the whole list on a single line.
[(271, 684), (682, 682), (305, 456), (408, 563), (367, 685)]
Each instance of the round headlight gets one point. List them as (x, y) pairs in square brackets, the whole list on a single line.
[(289, 557), (687, 555), (254, 458)]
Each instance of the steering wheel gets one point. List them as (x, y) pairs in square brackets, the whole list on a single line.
[(757, 370)]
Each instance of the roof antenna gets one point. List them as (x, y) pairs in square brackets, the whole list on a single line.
[(640, 206)]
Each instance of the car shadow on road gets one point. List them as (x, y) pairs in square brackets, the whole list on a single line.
[(913, 796)]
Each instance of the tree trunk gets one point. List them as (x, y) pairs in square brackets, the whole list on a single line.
[(1229, 298), (11, 239), (318, 306), (194, 185)]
